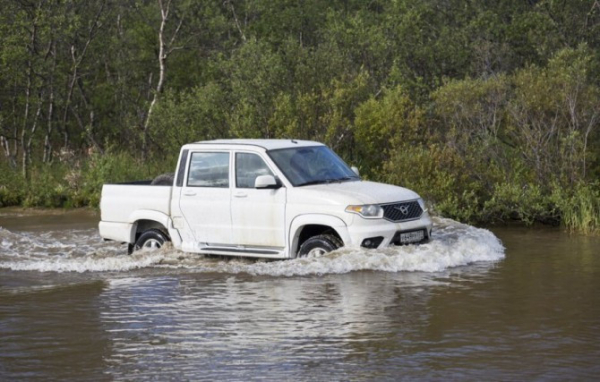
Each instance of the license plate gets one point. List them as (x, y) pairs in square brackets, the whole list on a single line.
[(412, 237)]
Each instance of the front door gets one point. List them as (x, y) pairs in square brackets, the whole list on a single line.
[(205, 198), (258, 215)]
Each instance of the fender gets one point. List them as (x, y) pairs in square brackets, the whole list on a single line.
[(155, 216), (300, 221)]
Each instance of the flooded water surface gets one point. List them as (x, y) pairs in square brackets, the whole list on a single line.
[(510, 303)]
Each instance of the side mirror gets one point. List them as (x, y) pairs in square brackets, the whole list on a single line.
[(355, 169), (266, 181)]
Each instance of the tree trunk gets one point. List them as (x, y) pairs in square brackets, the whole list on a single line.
[(77, 60), (7, 152), (47, 158), (25, 154), (27, 146), (163, 53)]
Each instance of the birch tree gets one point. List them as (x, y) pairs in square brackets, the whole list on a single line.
[(166, 46)]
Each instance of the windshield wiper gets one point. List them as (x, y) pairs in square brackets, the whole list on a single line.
[(328, 181), (312, 182), (346, 178)]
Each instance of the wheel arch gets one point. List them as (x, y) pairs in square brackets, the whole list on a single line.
[(143, 220), (306, 226), (144, 225)]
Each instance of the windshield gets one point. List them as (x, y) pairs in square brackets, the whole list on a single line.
[(312, 165)]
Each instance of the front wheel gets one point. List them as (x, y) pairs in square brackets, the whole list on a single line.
[(319, 245), (152, 239)]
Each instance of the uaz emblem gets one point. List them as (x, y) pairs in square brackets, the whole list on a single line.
[(403, 209)]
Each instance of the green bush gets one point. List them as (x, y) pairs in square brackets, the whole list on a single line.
[(77, 183), (12, 186), (435, 172), (112, 167), (518, 201)]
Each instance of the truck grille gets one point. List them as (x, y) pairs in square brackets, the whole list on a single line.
[(404, 211)]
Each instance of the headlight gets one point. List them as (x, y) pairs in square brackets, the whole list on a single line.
[(368, 210)]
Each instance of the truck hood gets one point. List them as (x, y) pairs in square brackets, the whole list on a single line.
[(359, 193)]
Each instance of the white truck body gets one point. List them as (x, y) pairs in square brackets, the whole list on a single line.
[(215, 207)]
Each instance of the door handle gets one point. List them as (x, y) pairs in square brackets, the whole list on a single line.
[(189, 193), (240, 195)]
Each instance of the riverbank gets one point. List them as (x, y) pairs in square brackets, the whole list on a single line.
[(78, 184)]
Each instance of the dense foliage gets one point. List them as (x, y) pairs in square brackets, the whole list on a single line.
[(489, 109)]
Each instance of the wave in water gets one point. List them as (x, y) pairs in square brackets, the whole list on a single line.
[(454, 244)]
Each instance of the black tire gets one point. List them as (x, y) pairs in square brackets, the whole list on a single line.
[(319, 245), (151, 239), (164, 180)]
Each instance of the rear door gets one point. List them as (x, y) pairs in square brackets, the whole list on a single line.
[(206, 195), (258, 215)]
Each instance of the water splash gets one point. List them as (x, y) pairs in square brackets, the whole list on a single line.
[(454, 244)]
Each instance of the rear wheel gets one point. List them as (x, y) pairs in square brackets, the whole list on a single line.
[(150, 240), (319, 245)]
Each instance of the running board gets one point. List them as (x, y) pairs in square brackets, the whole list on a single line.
[(267, 252), (234, 250), (241, 250)]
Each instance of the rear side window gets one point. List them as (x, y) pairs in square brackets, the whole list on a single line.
[(209, 170), (248, 167), (181, 172)]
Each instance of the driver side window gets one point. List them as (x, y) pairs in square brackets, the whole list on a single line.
[(248, 167), (209, 170)]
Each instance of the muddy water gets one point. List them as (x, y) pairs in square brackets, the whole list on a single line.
[(512, 304)]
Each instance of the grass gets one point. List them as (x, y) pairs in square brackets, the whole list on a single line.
[(580, 211)]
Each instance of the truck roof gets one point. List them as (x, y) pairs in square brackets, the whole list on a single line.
[(267, 144)]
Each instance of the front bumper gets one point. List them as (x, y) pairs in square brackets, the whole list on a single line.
[(364, 230)]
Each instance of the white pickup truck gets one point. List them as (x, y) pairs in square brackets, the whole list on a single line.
[(262, 198)]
